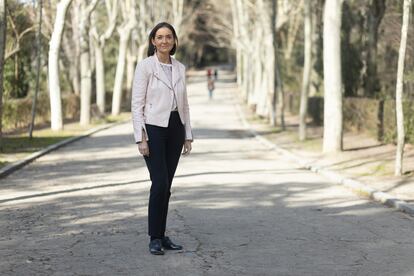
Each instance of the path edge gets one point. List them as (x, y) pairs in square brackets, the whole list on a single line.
[(355, 186), (10, 168)]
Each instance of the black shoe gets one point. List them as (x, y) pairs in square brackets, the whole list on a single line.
[(155, 247), (169, 245)]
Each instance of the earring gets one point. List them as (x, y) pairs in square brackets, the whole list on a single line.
[(155, 48)]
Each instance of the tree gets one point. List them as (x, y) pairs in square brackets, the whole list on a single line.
[(72, 48), (54, 84), (399, 90), (375, 13), (177, 15), (264, 74), (293, 20), (138, 42), (99, 41), (273, 98), (306, 70), (69, 55), (124, 31), (242, 15), (317, 39), (38, 59), (18, 35), (333, 129), (258, 35), (86, 74), (279, 86), (3, 28)]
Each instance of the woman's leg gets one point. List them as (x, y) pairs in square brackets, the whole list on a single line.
[(176, 137), (157, 167)]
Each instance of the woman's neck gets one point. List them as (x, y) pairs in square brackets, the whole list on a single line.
[(163, 58)]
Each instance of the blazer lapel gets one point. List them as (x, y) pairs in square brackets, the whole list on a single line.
[(160, 74), (176, 76)]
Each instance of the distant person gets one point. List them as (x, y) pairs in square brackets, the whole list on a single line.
[(209, 73), (210, 87), (215, 74), (162, 129)]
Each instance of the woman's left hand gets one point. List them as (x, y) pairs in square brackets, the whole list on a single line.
[(187, 147)]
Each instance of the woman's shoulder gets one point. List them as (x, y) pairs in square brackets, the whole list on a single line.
[(146, 61), (146, 65)]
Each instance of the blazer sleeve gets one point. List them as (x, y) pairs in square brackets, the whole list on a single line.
[(188, 130), (139, 91)]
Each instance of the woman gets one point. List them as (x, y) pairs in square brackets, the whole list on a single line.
[(161, 120)]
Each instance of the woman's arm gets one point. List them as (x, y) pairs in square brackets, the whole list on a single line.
[(188, 130), (139, 90)]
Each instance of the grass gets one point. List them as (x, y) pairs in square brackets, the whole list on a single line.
[(19, 144), (16, 146), (312, 144), (379, 170), (112, 119)]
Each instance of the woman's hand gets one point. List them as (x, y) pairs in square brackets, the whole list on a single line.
[(143, 148), (187, 147)]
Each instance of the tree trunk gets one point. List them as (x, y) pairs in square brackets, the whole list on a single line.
[(3, 29), (38, 59), (74, 61), (265, 86), (273, 96), (376, 12), (399, 90), (279, 97), (98, 42), (130, 68), (86, 85), (86, 74), (280, 92), (257, 76), (306, 70), (317, 38), (120, 68), (243, 39), (332, 131), (131, 59), (129, 22), (100, 77), (246, 76), (177, 16), (239, 64), (141, 52), (71, 60), (236, 34), (54, 48)]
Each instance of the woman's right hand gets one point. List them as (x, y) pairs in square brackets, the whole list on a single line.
[(143, 148)]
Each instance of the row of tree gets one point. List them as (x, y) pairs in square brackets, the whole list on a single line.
[(93, 46), (265, 34), (89, 38), (90, 48)]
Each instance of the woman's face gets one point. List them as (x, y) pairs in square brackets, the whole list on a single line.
[(164, 40)]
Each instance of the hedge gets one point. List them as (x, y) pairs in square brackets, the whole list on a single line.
[(372, 116), (17, 112)]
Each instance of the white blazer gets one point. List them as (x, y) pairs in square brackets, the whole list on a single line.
[(152, 96)]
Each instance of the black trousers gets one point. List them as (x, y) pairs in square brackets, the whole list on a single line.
[(165, 146)]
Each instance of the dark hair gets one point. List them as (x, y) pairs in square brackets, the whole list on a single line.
[(151, 47)]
